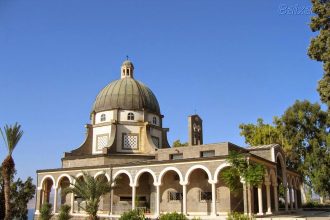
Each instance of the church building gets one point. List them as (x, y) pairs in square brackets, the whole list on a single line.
[(127, 144)]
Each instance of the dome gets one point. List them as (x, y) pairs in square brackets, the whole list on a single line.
[(127, 94)]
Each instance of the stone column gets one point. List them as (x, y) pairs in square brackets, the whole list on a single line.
[(72, 203), (214, 199), (291, 198), (133, 196), (184, 199), (286, 198), (157, 200), (250, 200), (275, 197), (269, 205), (38, 200), (295, 199), (260, 200), (55, 199), (245, 204), (111, 202)]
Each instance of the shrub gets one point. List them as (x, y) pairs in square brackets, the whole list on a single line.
[(238, 216), (173, 216), (46, 211), (132, 215), (64, 213)]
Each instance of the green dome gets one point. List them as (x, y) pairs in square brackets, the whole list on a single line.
[(126, 94)]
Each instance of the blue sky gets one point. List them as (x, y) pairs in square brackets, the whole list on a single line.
[(230, 61)]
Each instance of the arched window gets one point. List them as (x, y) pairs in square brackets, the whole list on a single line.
[(154, 120), (103, 117), (130, 116)]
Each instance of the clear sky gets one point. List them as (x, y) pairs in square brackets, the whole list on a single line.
[(230, 61)]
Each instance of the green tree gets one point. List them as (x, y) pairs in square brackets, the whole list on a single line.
[(90, 190), (132, 215), (260, 133), (11, 136), (177, 143), (21, 193), (252, 173), (173, 216), (46, 211), (319, 48), (64, 213), (303, 133)]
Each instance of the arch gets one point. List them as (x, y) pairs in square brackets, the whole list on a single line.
[(100, 173), (297, 182), (164, 171), (124, 172), (279, 155), (289, 181), (283, 167), (140, 172), (77, 177), (195, 167), (272, 176), (46, 177), (60, 178), (219, 168)]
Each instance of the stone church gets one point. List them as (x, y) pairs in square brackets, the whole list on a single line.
[(127, 144)]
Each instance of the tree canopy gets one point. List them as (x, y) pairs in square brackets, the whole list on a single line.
[(319, 48), (177, 143), (304, 135), (21, 193)]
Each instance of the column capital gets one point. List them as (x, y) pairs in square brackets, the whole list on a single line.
[(267, 183), (184, 183), (212, 182), (133, 185)]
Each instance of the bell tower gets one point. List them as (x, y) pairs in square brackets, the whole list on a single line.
[(195, 130)]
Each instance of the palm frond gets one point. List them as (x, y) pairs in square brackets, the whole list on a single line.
[(11, 135), (90, 189)]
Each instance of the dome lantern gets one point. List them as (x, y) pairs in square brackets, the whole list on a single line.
[(127, 69)]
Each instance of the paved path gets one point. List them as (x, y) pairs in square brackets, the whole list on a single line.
[(308, 215)]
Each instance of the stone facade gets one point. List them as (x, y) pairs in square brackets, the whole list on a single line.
[(127, 144)]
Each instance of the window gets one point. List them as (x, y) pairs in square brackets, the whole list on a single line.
[(176, 156), (130, 142), (154, 120), (130, 116), (129, 198), (209, 153), (103, 117), (174, 196), (102, 141), (205, 196)]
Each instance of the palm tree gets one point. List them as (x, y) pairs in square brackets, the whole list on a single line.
[(90, 190), (11, 136)]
